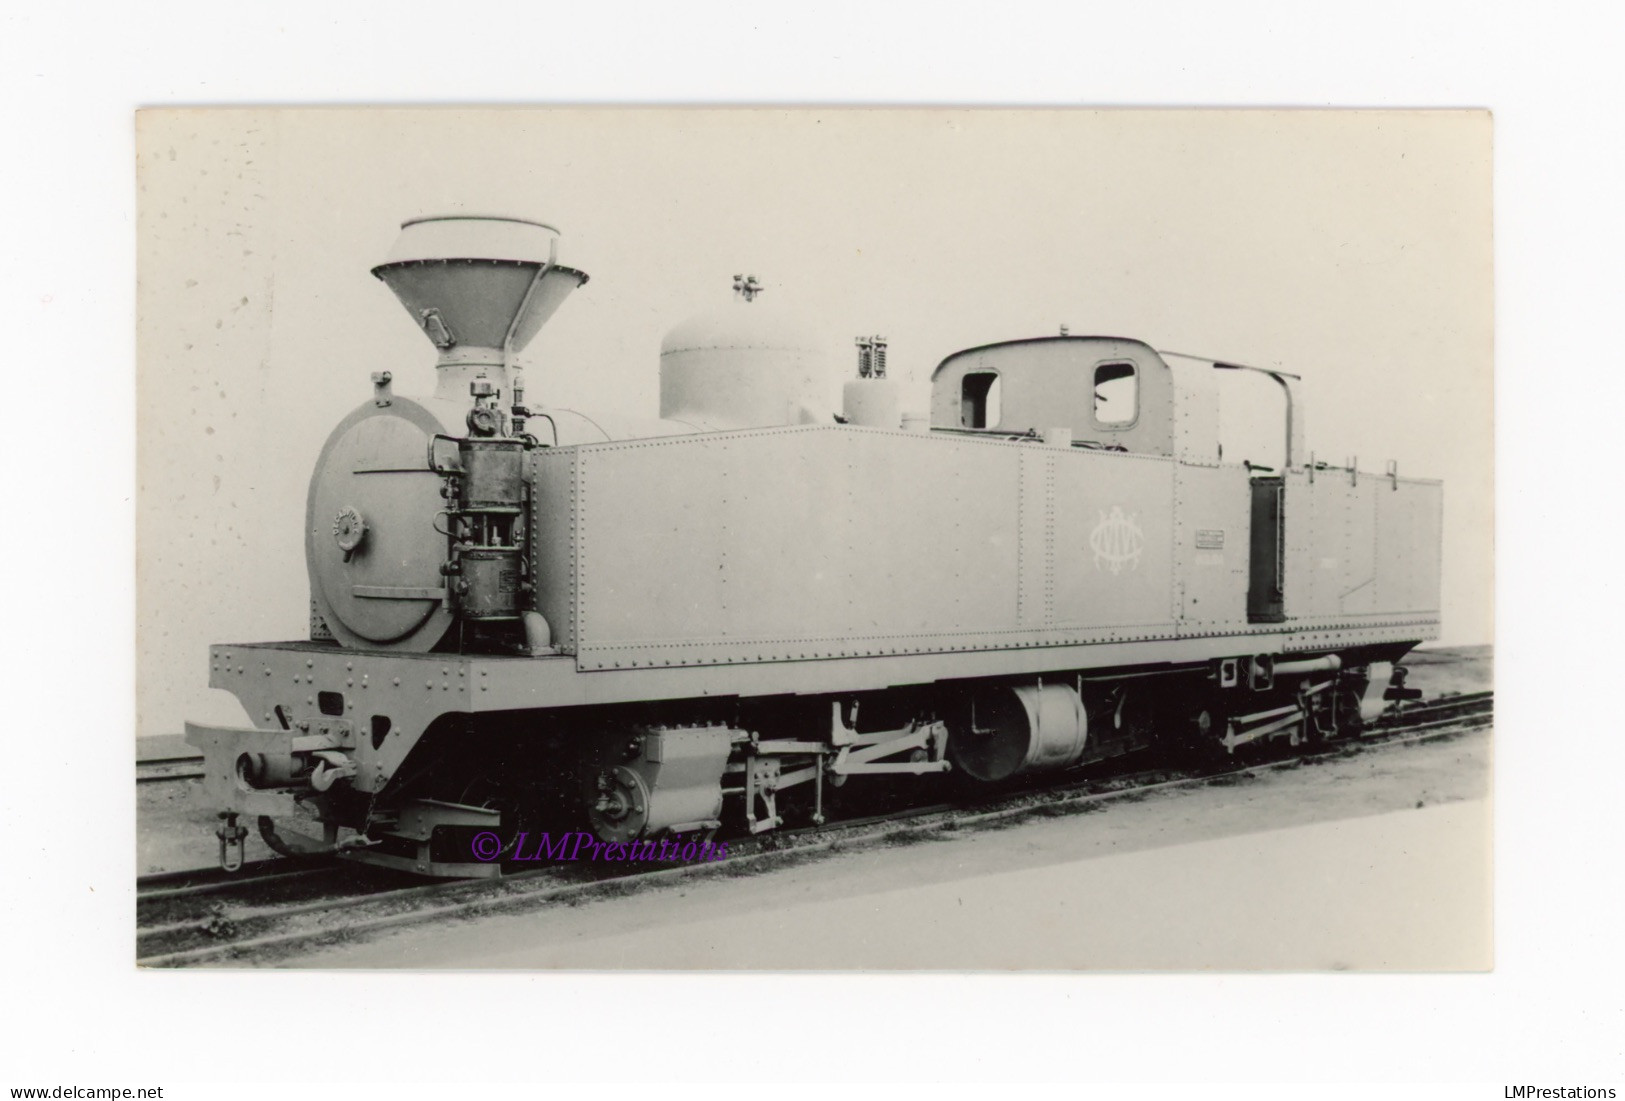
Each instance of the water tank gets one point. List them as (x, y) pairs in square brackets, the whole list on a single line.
[(749, 364)]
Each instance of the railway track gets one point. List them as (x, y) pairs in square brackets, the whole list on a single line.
[(164, 769), (276, 908)]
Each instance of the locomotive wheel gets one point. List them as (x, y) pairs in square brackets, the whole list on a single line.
[(517, 801), (1324, 714), (1348, 720), (1207, 732), (1335, 713), (1122, 717), (1200, 727)]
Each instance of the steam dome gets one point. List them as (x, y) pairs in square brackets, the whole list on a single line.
[(748, 364)]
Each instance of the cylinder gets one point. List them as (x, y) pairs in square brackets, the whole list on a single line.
[(489, 585), (493, 472), (872, 403), (675, 784), (1008, 731)]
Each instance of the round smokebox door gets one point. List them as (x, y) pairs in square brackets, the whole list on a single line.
[(373, 551)]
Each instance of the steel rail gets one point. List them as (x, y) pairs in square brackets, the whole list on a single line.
[(163, 777), (146, 891), (523, 889)]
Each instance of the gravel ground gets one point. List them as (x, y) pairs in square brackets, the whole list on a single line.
[(1380, 859), (175, 827), (1451, 669)]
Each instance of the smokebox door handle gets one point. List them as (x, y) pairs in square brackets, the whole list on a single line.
[(453, 469)]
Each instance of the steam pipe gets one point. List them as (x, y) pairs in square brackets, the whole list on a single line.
[(538, 634), (1331, 663)]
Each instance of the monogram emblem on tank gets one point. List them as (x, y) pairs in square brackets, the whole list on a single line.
[(1117, 541)]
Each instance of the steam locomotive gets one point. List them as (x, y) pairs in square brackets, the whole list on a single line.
[(527, 617)]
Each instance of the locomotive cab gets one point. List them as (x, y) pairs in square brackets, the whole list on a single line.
[(1108, 392)]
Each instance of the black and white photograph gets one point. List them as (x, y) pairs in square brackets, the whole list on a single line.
[(828, 539), (834, 549)]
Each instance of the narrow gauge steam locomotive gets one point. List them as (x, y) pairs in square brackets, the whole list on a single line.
[(527, 617)]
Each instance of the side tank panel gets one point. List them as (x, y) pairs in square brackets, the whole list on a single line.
[(809, 543)]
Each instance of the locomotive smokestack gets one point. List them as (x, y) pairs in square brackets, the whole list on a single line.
[(480, 287)]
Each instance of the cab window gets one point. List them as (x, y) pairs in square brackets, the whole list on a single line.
[(1117, 394), (979, 399)]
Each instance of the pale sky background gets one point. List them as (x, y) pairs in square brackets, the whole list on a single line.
[(1353, 248)]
